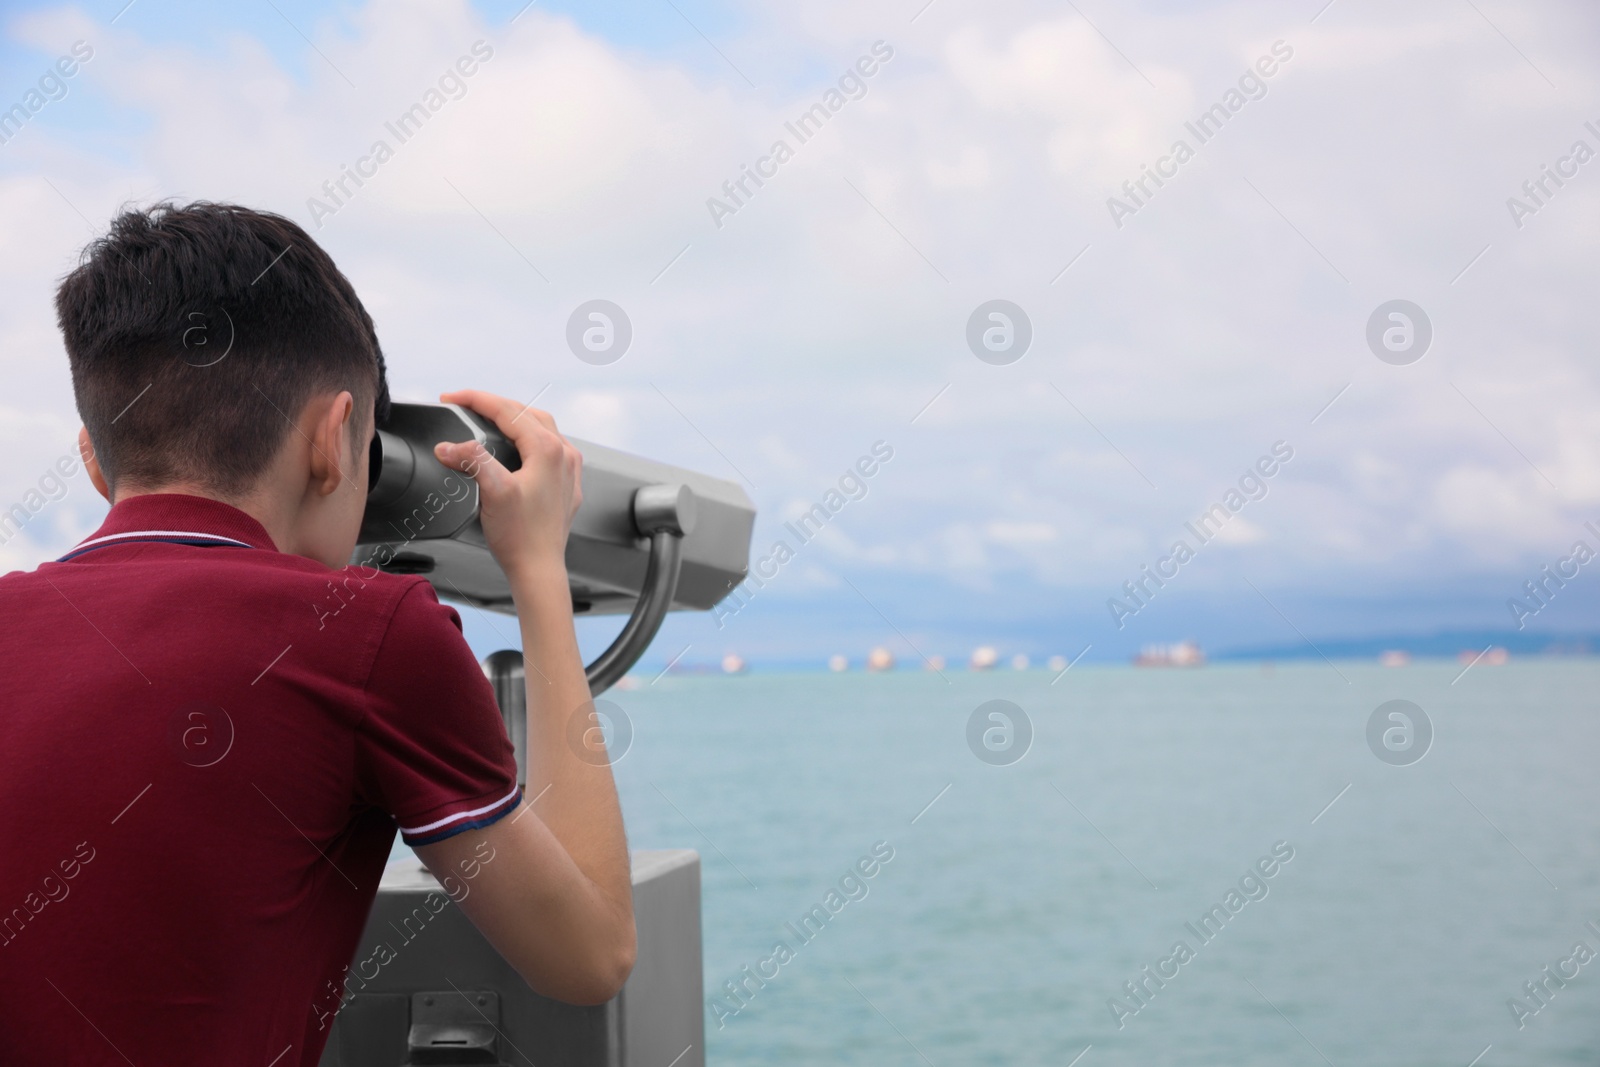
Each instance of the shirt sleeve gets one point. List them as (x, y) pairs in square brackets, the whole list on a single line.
[(432, 749)]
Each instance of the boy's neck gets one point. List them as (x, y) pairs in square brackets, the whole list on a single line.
[(274, 520)]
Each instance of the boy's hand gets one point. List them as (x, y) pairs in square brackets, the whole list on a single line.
[(526, 514)]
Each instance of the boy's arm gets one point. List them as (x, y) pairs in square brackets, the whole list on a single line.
[(554, 896)]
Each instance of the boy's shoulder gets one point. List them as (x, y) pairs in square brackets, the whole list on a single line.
[(355, 613), (385, 598)]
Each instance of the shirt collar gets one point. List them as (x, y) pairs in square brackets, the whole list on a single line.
[(177, 517)]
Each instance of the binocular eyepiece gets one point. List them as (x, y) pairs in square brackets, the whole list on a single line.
[(390, 468)]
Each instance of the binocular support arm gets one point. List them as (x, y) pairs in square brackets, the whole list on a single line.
[(660, 583), (665, 514)]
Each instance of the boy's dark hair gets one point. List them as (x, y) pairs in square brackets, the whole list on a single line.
[(196, 335)]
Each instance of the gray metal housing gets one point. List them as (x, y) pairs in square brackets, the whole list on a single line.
[(422, 518)]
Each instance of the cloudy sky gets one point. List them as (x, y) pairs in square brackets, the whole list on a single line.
[(1178, 334)]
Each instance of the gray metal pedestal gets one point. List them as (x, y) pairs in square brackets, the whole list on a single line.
[(441, 994)]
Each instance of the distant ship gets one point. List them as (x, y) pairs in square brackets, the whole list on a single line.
[(880, 659), (733, 663), (1493, 657), (1182, 654), (984, 658), (1394, 657), (838, 664)]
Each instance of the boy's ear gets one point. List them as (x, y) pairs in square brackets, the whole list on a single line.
[(331, 452), (92, 465)]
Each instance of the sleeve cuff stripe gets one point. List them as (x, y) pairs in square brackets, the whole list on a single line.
[(505, 801), (459, 828)]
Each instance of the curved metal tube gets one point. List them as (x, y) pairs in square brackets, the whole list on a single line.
[(663, 513), (506, 670), (649, 611)]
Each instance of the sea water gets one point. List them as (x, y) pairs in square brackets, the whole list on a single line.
[(1418, 901)]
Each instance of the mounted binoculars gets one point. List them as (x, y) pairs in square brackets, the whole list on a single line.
[(649, 538)]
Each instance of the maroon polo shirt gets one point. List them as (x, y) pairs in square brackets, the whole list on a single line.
[(206, 746)]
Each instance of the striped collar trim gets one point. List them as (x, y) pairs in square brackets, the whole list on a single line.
[(177, 518), (171, 537)]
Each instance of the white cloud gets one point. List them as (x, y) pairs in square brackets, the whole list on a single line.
[(1020, 533), (822, 317), (1240, 531), (599, 416)]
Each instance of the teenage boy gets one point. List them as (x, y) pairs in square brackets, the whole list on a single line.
[(212, 727)]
